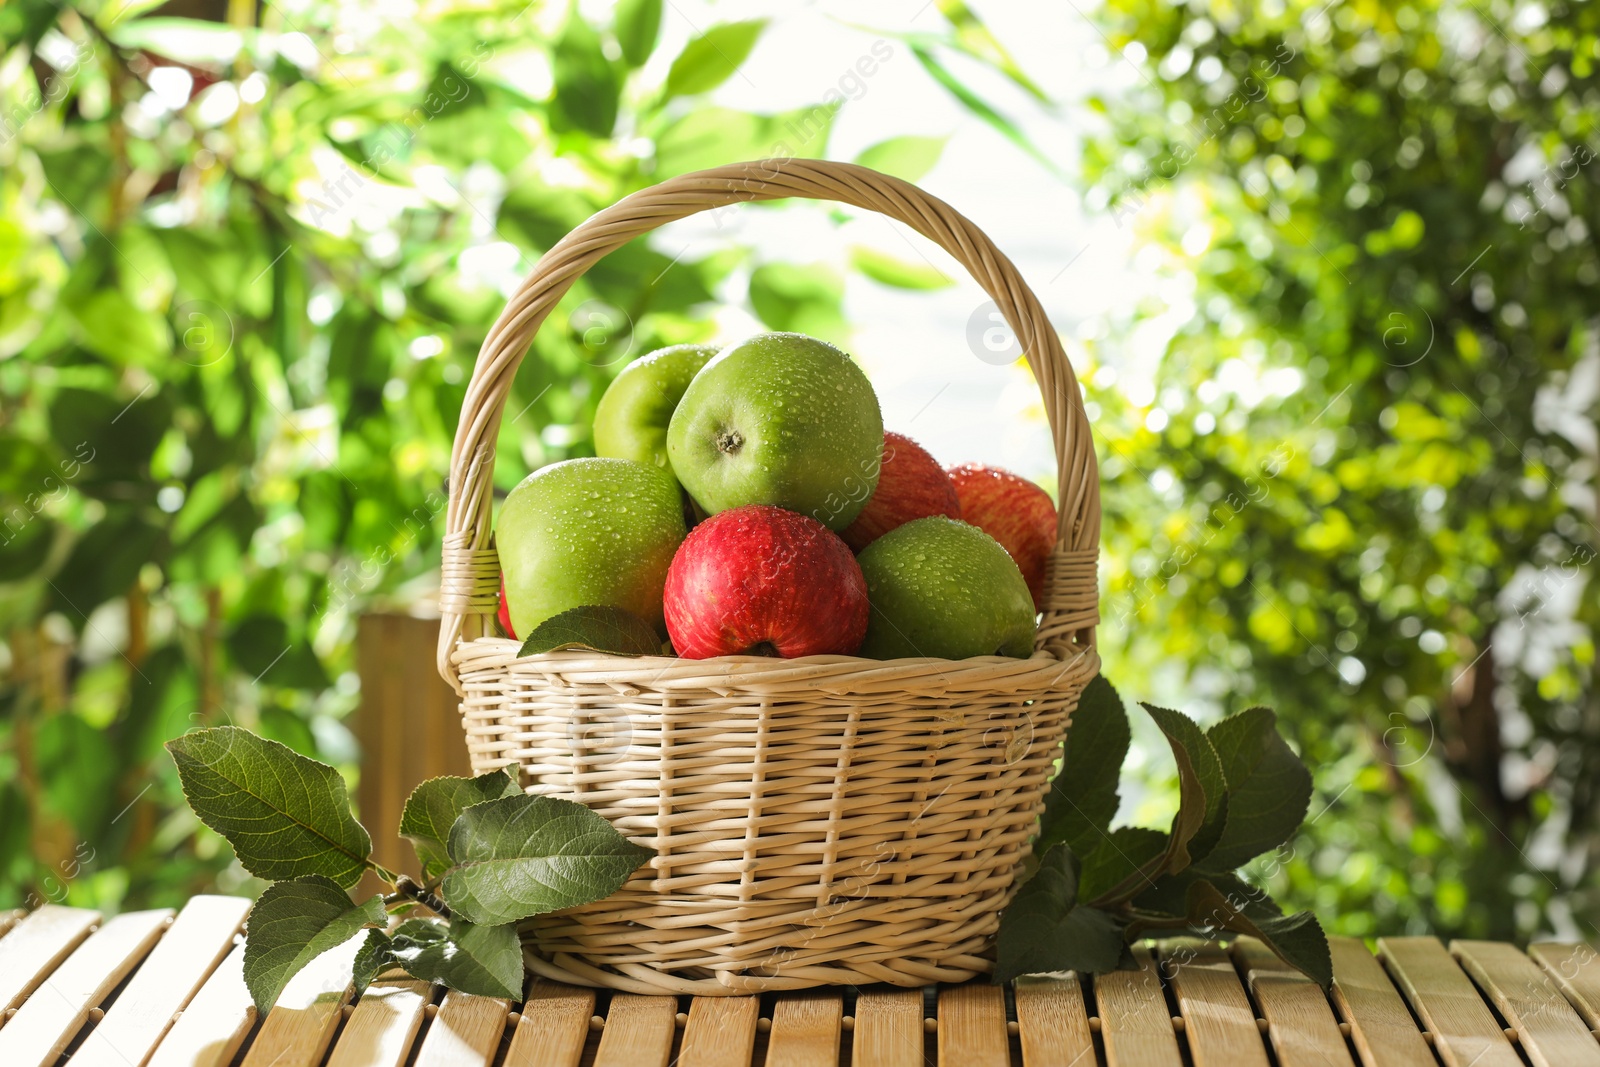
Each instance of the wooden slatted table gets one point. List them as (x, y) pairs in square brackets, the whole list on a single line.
[(164, 989)]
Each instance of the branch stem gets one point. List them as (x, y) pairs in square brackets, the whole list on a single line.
[(405, 888)]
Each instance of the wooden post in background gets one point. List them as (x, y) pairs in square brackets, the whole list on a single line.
[(409, 726)]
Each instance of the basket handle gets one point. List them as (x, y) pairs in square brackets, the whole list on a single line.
[(469, 578)]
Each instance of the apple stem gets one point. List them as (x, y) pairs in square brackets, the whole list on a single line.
[(729, 441)]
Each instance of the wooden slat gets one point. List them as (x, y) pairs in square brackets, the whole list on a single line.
[(553, 1028), (972, 1026), (1381, 1027), (1465, 1033), (190, 950), (1052, 1022), (1551, 1032), (1217, 1016), (638, 1032), (721, 1032), (888, 1029), (1300, 1022), (383, 1026), (215, 1023), (805, 1029), (55, 1012), (1134, 1022), (36, 946), (1576, 970), (297, 1030), (466, 1032)]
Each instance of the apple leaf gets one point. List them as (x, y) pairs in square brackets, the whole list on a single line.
[(1241, 790), (1122, 865), (1202, 789), (527, 855), (1083, 798), (1046, 929), (482, 960), (1297, 939), (1169, 894), (374, 957), (598, 628), (293, 923), (1268, 787), (710, 59), (433, 806), (285, 815)]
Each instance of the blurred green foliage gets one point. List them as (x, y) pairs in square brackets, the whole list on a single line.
[(247, 256), (1364, 486)]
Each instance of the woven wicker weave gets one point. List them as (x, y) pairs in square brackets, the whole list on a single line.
[(815, 821)]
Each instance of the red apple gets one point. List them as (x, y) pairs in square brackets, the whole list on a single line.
[(1012, 510), (504, 614), (911, 485), (760, 580)]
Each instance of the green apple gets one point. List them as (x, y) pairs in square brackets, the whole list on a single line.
[(942, 588), (781, 419), (589, 532), (631, 421)]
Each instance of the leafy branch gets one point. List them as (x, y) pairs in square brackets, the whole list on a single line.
[(1242, 793), (490, 855)]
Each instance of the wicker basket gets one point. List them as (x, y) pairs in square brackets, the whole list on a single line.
[(828, 820)]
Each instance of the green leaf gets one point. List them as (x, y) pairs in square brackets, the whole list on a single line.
[(981, 108), (1201, 789), (1269, 789), (104, 562), (485, 961), (527, 855), (597, 627), (907, 158), (637, 24), (1083, 798), (293, 923), (800, 299), (587, 88), (433, 806), (26, 549), (1297, 939), (27, 20), (709, 136), (373, 958), (197, 41), (451, 92), (261, 647), (286, 816), (1123, 864), (710, 59), (1169, 895), (1046, 929), (115, 328), (975, 39), (887, 270)]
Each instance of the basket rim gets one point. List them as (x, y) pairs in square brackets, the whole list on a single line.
[(762, 675), (580, 656)]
